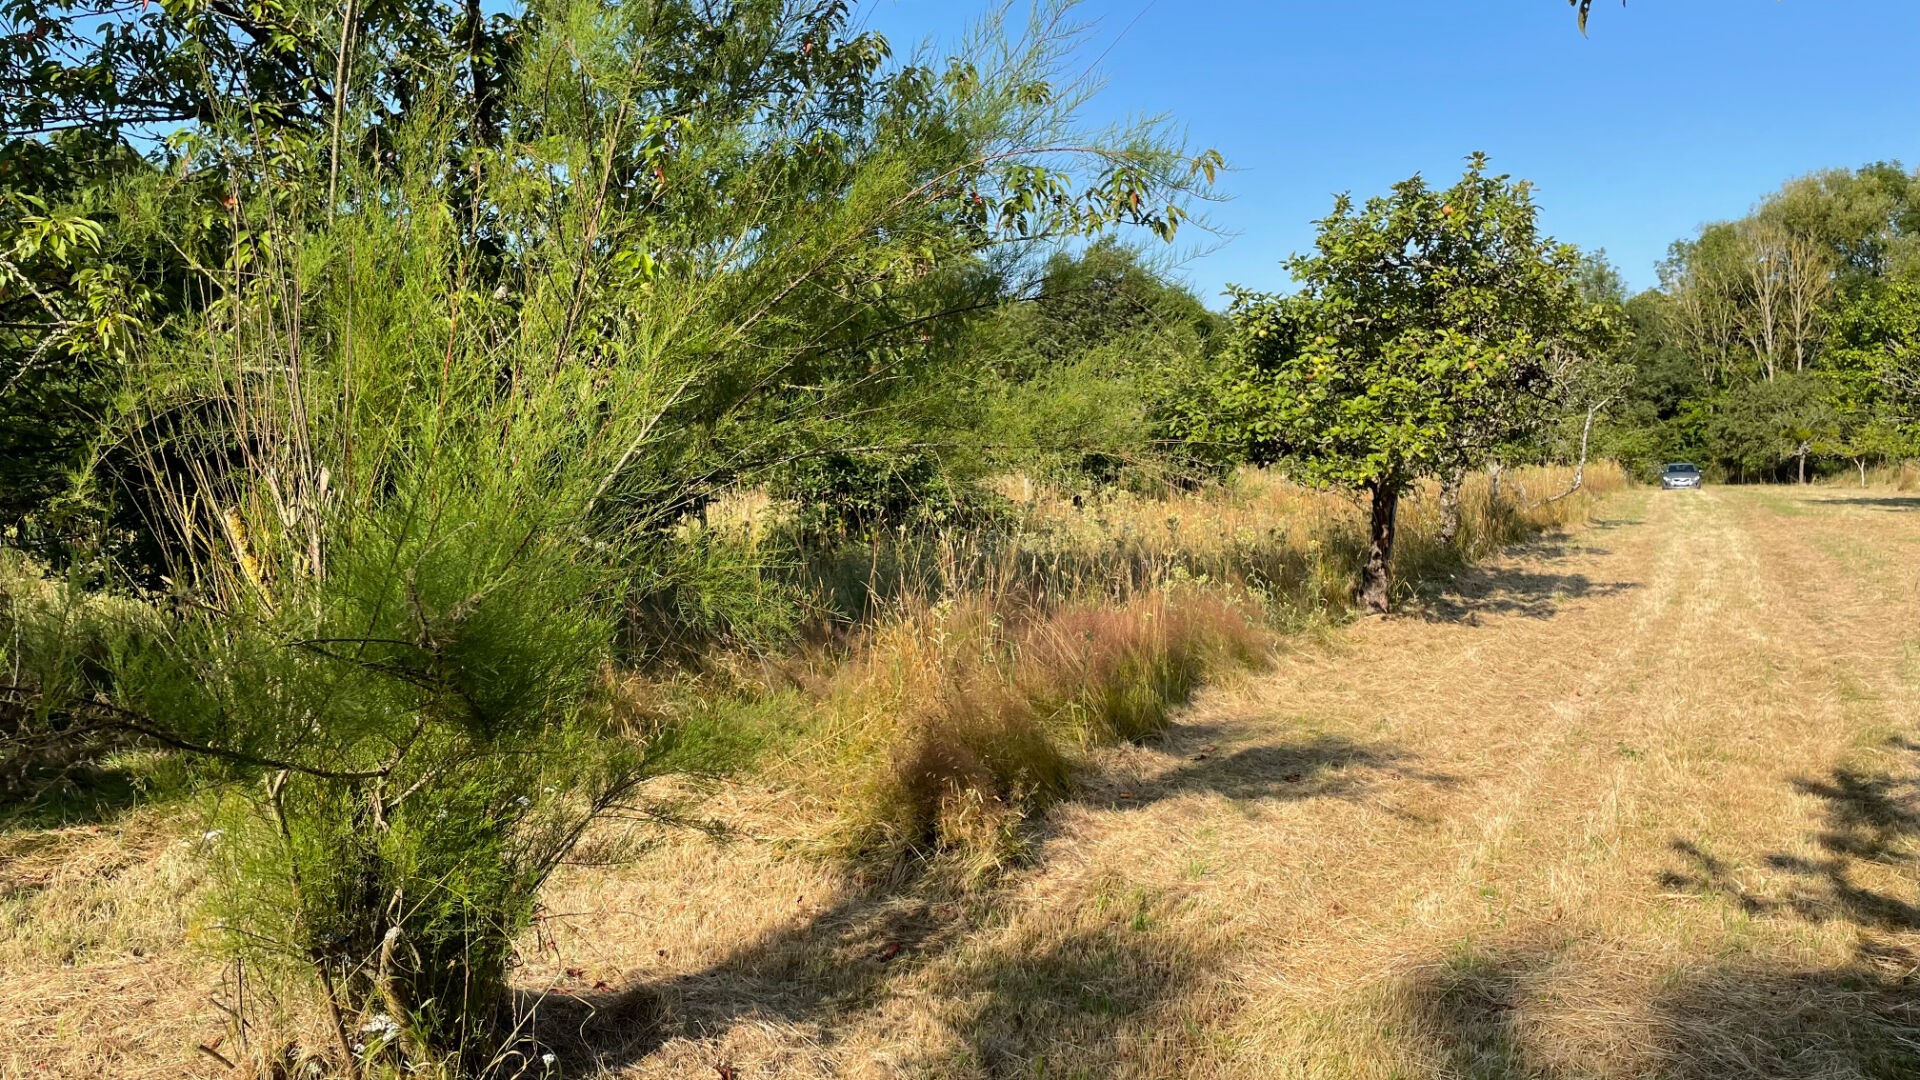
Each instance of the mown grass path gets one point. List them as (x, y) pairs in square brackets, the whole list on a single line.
[(1639, 802)]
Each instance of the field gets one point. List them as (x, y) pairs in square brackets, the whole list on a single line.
[(1637, 798)]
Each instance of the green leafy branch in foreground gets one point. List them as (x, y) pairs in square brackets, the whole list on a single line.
[(432, 437)]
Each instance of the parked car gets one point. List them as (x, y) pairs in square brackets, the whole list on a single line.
[(1680, 475)]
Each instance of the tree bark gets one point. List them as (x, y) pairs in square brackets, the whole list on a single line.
[(1450, 506), (1861, 463), (1803, 463), (1376, 578), (1580, 468)]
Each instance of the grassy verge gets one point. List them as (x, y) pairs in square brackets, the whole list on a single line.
[(971, 681), (967, 677)]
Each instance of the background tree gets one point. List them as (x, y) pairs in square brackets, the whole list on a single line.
[(92, 256), (1805, 288), (1093, 362), (1428, 331), (1591, 376), (1873, 365)]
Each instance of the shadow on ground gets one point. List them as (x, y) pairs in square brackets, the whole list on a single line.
[(1470, 593), (1871, 818), (1325, 766), (1879, 502), (1076, 997), (1055, 997), (1751, 1019), (1502, 1013), (1072, 995), (801, 975), (77, 796)]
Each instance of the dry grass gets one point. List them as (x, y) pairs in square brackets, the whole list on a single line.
[(1902, 477), (1637, 803), (955, 721), (1137, 929), (997, 663), (96, 974)]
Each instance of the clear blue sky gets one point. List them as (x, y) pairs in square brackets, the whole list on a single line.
[(1670, 114)]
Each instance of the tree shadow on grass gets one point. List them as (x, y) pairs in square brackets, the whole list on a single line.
[(1751, 1019), (1324, 766), (1879, 502), (1755, 1020), (1465, 1012), (1476, 593), (79, 796), (1871, 819), (1499, 1013), (1467, 593), (803, 975), (1060, 995), (1079, 996), (1055, 993)]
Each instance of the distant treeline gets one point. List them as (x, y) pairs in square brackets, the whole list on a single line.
[(1785, 344)]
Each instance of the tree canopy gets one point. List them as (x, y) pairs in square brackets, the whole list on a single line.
[(1430, 328), (1773, 347)]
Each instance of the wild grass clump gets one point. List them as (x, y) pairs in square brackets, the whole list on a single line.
[(1901, 476), (957, 719), (1497, 511), (1113, 673)]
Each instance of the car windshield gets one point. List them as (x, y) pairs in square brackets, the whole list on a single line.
[(1682, 469)]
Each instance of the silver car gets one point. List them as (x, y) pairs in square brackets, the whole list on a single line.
[(1680, 475)]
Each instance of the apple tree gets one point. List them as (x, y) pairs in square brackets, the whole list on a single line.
[(1430, 328)]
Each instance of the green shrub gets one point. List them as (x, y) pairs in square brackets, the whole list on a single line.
[(58, 642), (848, 496), (455, 397), (421, 736)]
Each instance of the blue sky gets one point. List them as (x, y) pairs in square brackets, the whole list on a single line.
[(1670, 114)]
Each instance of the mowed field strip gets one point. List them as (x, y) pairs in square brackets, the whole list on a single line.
[(1638, 801)]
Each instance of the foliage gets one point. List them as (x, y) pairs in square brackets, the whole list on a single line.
[(1808, 292), (1096, 365), (112, 69), (1873, 355), (1089, 299), (1430, 329), (77, 286), (58, 642), (1426, 329), (1767, 422), (431, 744), (426, 436), (848, 495)]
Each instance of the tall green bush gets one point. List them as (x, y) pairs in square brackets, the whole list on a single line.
[(442, 427)]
